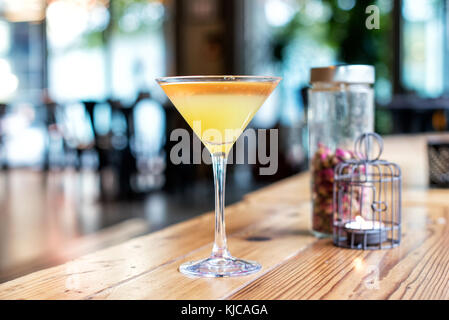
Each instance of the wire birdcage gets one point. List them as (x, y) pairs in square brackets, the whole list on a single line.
[(367, 198)]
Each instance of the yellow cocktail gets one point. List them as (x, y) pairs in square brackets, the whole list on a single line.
[(218, 108), (218, 112)]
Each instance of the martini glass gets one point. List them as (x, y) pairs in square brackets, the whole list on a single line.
[(218, 109)]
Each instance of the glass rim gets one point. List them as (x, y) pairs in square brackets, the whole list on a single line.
[(218, 78)]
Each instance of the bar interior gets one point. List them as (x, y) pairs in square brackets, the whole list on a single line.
[(99, 148)]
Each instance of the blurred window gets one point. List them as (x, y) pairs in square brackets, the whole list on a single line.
[(76, 62), (104, 48), (79, 50), (136, 47), (424, 43), (22, 67), (8, 80), (288, 37)]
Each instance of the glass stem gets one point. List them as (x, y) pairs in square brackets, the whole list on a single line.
[(220, 249)]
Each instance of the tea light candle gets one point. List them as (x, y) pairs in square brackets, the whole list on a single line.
[(362, 224), (361, 228)]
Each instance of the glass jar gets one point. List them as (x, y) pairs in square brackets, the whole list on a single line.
[(340, 108)]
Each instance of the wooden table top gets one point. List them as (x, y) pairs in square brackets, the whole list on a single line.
[(270, 226)]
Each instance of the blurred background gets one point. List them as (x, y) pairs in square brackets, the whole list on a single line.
[(84, 127)]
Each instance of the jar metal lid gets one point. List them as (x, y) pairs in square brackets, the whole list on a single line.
[(344, 73)]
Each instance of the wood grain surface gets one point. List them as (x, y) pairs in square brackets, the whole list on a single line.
[(270, 226)]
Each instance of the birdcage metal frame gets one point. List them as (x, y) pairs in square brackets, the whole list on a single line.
[(352, 179)]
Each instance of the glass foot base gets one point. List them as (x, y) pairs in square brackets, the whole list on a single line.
[(219, 267)]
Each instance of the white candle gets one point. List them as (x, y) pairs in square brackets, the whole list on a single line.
[(362, 224)]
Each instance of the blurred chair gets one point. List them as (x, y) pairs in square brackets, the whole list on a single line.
[(149, 120), (77, 131), (54, 136)]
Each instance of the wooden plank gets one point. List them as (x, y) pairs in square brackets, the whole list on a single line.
[(93, 273), (418, 269), (293, 190), (107, 237), (295, 265), (286, 234)]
